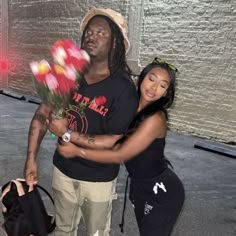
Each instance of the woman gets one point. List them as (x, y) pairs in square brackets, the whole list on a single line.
[(156, 193)]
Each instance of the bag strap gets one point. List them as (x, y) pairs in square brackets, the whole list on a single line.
[(121, 225), (52, 220), (46, 192)]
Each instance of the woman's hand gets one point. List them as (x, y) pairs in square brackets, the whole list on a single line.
[(67, 150)]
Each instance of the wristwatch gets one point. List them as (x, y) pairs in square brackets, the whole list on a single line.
[(66, 136)]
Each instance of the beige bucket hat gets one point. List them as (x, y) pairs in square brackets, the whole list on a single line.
[(116, 17)]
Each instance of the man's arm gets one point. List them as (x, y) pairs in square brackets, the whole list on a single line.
[(59, 127), (37, 130)]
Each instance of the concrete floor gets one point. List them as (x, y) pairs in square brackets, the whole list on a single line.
[(209, 178)]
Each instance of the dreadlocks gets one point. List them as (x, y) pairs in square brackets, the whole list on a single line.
[(116, 57)]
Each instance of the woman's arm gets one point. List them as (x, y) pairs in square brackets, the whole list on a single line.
[(91, 141), (150, 129)]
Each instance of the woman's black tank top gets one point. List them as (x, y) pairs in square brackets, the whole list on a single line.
[(150, 162)]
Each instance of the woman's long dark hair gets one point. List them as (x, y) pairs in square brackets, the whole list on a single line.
[(117, 56), (161, 104)]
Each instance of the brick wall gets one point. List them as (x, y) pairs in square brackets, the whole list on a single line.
[(1, 79), (3, 40), (198, 36), (35, 26)]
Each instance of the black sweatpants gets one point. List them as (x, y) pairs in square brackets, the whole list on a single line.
[(157, 203)]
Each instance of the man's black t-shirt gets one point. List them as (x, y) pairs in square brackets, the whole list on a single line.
[(106, 107)]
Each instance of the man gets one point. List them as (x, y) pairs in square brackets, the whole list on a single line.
[(104, 104)]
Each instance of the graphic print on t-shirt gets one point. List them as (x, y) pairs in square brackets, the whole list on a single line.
[(77, 118), (96, 104), (74, 120)]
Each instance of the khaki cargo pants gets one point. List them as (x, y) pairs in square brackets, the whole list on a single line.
[(75, 199)]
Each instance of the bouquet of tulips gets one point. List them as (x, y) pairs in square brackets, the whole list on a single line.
[(56, 83)]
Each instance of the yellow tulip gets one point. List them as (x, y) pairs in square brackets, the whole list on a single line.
[(59, 69), (43, 68)]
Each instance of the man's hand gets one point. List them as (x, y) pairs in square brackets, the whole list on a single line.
[(67, 150), (57, 126), (31, 172)]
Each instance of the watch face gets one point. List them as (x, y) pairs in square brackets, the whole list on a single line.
[(66, 137)]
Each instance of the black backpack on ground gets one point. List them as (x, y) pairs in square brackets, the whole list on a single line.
[(23, 211)]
